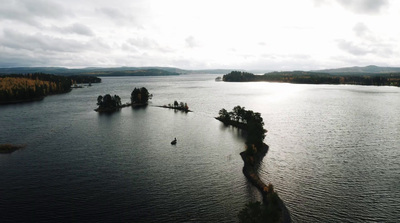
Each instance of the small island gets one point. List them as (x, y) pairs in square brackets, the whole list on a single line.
[(9, 148), (272, 209), (140, 97), (181, 106), (108, 103)]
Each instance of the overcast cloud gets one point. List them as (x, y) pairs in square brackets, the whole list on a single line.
[(236, 34)]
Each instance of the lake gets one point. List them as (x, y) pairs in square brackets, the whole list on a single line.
[(334, 153)]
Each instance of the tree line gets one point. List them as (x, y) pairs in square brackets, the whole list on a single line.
[(253, 124), (182, 106), (109, 103), (23, 87), (32, 86), (140, 96), (250, 121), (306, 77)]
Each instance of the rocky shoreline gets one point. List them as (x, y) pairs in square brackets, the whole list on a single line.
[(249, 170), (251, 162)]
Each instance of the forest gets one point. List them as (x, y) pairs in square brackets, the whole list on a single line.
[(248, 120), (28, 87), (140, 96), (306, 77), (108, 103), (253, 125)]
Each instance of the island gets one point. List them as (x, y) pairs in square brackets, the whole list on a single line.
[(317, 77), (272, 209), (9, 148), (180, 106), (108, 103), (140, 97), (18, 88)]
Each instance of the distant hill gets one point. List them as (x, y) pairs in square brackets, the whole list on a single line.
[(372, 69), (312, 77), (208, 71), (166, 71), (96, 71), (111, 71)]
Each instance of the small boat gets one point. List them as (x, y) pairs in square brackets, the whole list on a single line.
[(173, 142)]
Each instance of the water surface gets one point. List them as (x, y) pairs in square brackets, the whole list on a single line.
[(334, 153)]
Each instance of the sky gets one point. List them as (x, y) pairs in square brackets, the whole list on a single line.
[(200, 34)]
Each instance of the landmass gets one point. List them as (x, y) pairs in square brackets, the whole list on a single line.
[(9, 148), (97, 71), (108, 103), (180, 106), (139, 72), (140, 97), (273, 208), (18, 88), (361, 70), (311, 77)]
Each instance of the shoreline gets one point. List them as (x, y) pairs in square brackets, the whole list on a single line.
[(175, 108), (106, 110), (250, 172), (9, 148), (22, 101)]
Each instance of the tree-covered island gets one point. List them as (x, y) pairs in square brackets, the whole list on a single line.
[(308, 77), (181, 106), (108, 103), (140, 97), (272, 209), (18, 88)]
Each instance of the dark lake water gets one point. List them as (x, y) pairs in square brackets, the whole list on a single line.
[(334, 153)]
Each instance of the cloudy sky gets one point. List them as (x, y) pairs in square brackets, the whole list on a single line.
[(200, 34)]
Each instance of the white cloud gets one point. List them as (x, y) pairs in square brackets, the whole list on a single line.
[(32, 12), (75, 28), (357, 6), (44, 43), (196, 34), (364, 6), (191, 42), (353, 48), (361, 30)]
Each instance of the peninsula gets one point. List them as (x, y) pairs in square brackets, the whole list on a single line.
[(273, 208), (18, 88), (317, 77)]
